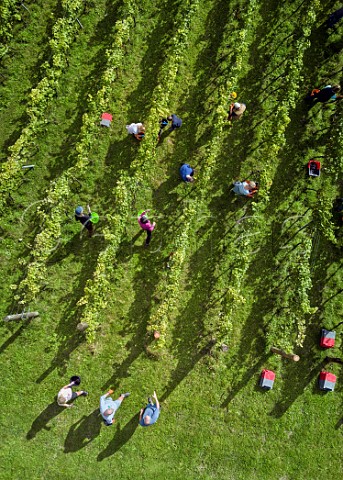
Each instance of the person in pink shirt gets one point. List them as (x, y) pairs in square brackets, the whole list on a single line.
[(146, 225)]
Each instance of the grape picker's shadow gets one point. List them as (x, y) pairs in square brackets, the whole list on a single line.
[(83, 432), (121, 437), (41, 422)]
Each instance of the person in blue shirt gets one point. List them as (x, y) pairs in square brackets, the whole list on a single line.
[(149, 415), (108, 407), (176, 122), (187, 172)]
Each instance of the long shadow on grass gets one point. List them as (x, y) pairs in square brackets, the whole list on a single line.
[(251, 354), (14, 336), (67, 336), (121, 152), (193, 135), (41, 422), (156, 43), (14, 308), (118, 158), (189, 356), (83, 432), (19, 123), (104, 28), (148, 272), (189, 344), (121, 437), (297, 375), (206, 68)]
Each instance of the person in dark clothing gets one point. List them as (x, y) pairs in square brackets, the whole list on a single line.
[(338, 211), (329, 92), (163, 124), (176, 122), (84, 219), (334, 18)]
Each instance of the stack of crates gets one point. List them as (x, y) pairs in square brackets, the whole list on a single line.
[(327, 381), (327, 339), (106, 119), (267, 379)]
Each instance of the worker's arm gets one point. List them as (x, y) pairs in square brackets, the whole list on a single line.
[(156, 399), (230, 111), (67, 405), (107, 394), (71, 384), (102, 400), (252, 193)]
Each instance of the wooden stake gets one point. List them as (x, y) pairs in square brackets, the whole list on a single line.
[(21, 316), (82, 326), (290, 356), (24, 6)]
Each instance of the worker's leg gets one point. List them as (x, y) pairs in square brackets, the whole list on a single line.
[(148, 237)]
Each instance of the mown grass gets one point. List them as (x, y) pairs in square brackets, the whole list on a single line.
[(215, 421)]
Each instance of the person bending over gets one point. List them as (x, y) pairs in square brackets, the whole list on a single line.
[(187, 172), (137, 130), (236, 111), (246, 188)]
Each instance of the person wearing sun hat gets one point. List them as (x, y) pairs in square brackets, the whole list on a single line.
[(236, 111), (84, 219)]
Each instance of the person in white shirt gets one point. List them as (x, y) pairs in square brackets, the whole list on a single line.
[(136, 129), (66, 394)]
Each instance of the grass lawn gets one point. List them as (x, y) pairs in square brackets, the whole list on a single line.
[(245, 273)]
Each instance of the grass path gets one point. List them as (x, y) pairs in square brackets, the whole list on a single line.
[(215, 421)]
